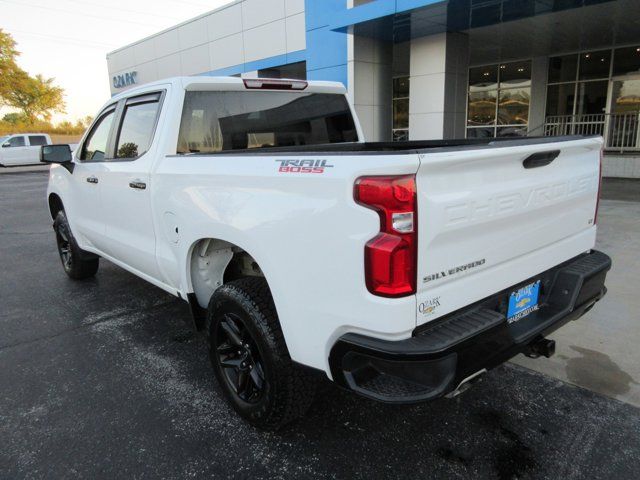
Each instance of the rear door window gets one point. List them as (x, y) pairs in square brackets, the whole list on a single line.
[(221, 121), (138, 125), (37, 140)]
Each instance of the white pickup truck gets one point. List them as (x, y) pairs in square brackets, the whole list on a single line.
[(22, 148), (402, 271)]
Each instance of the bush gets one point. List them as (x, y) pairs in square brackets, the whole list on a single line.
[(14, 123)]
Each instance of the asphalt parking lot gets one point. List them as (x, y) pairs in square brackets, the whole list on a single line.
[(104, 379)]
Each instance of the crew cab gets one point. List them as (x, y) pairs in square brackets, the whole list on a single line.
[(401, 271), (22, 148)]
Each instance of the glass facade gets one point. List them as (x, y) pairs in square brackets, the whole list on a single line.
[(596, 93), (582, 88), (626, 61), (498, 100), (400, 122), (626, 96), (578, 84)]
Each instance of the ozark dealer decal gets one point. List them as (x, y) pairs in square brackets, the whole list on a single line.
[(429, 307), (303, 166)]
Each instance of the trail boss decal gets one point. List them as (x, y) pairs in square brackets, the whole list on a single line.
[(303, 166), (453, 271)]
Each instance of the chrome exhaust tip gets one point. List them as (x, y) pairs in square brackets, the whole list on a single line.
[(466, 384)]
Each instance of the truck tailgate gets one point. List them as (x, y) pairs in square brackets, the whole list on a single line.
[(487, 222)]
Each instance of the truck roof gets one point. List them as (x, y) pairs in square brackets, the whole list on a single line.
[(205, 83)]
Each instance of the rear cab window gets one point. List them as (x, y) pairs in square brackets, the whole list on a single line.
[(218, 121)]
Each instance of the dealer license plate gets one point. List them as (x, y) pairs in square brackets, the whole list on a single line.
[(522, 302)]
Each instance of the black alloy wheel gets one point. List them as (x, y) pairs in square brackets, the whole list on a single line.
[(64, 246), (240, 359), (77, 263), (250, 358)]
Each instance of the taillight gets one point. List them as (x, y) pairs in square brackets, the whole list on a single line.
[(595, 216), (390, 257)]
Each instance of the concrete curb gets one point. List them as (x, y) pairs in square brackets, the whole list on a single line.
[(24, 169)]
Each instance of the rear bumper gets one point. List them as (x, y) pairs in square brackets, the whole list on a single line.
[(443, 353)]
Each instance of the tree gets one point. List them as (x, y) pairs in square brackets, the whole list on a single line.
[(128, 150), (13, 118), (83, 123), (36, 97), (8, 67), (8, 52)]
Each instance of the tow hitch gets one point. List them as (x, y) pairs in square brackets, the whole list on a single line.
[(541, 347)]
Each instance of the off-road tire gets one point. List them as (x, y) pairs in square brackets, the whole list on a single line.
[(77, 263), (288, 389)]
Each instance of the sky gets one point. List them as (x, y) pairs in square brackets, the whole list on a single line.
[(69, 39)]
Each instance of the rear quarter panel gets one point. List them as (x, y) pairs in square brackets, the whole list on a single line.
[(304, 230)]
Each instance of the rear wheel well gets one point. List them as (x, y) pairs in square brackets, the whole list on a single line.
[(55, 205), (214, 263)]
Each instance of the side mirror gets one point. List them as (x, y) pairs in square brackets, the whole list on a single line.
[(55, 154), (6, 145)]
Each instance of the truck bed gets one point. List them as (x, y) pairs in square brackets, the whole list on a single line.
[(409, 147)]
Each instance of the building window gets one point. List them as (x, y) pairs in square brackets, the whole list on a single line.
[(296, 71), (626, 61), (498, 100), (578, 84), (357, 3), (400, 109)]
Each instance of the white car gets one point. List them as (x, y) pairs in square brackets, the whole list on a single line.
[(22, 148), (401, 271)]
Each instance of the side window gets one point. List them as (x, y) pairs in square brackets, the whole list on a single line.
[(17, 141), (37, 140), (138, 124), (95, 146)]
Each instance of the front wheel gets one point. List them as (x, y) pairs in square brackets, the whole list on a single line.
[(250, 359), (77, 263)]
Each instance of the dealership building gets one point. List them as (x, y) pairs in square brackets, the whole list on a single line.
[(428, 69)]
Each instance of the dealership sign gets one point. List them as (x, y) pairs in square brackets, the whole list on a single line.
[(125, 79)]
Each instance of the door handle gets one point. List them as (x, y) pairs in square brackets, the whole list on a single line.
[(137, 184), (92, 179)]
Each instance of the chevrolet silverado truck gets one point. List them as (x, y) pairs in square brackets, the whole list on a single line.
[(400, 271), (22, 148)]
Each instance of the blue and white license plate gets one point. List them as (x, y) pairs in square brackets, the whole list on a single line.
[(522, 302)]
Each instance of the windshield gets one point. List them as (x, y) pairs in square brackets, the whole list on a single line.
[(4, 139), (222, 121)]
